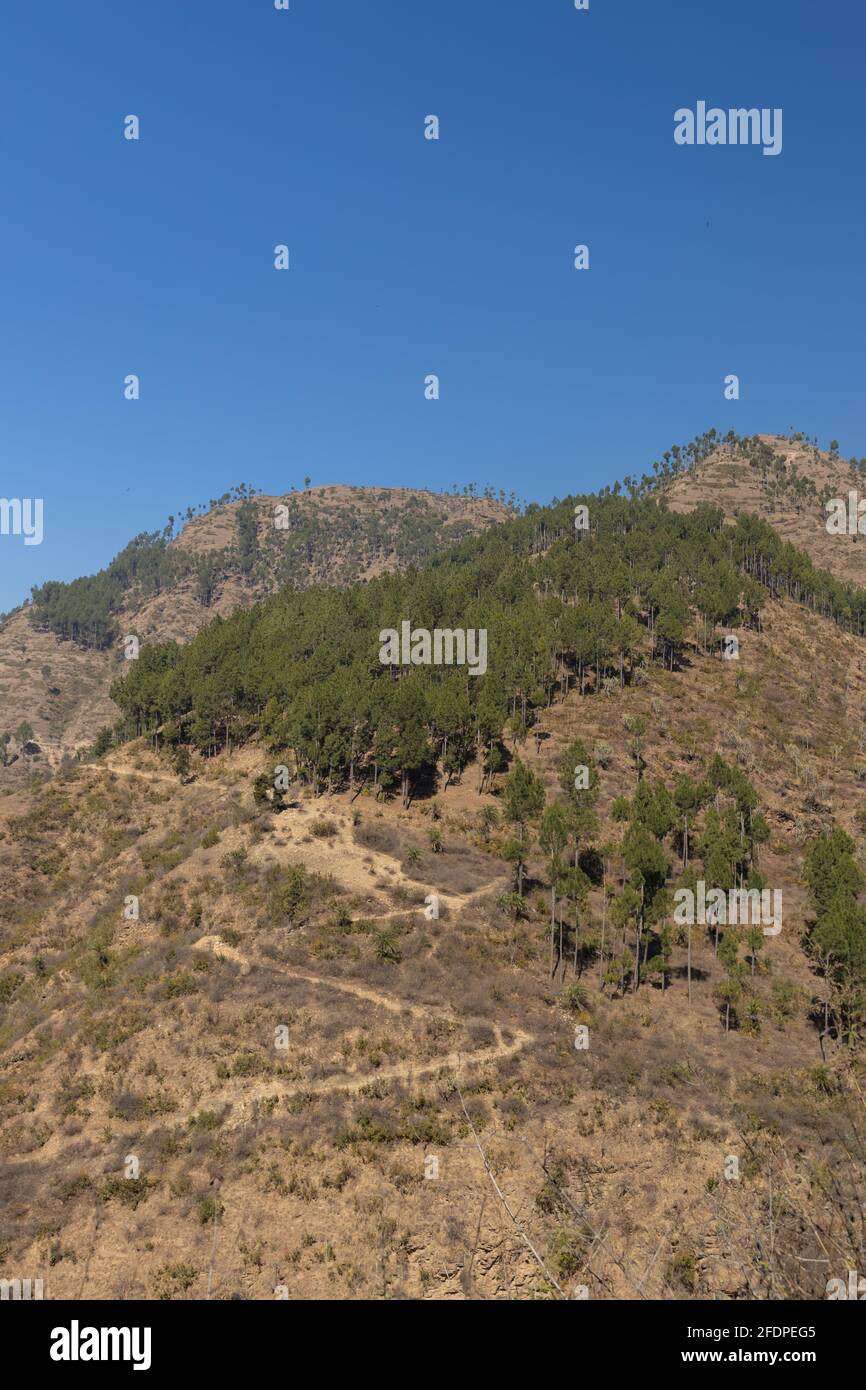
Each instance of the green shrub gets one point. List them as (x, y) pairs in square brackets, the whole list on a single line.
[(387, 948)]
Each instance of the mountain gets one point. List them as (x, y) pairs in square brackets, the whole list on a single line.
[(59, 654), (338, 977)]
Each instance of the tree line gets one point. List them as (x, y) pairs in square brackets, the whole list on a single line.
[(563, 610)]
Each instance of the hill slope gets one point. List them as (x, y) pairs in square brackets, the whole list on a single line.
[(226, 559), (787, 481), (320, 1022), (344, 1164)]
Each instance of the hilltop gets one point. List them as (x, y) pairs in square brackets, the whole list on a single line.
[(59, 654), (787, 481)]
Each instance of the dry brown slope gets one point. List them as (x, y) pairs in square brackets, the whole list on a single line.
[(316, 1163), (727, 480)]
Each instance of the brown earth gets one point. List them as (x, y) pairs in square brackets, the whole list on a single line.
[(429, 1130), (304, 1169)]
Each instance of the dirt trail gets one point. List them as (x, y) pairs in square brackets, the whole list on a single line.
[(144, 773), (404, 1071), (245, 1096), (350, 869)]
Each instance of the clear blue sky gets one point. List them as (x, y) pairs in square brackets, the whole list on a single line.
[(409, 256)]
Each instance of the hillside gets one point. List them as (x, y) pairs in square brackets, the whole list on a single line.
[(787, 481), (306, 1168), (424, 1024), (233, 555), (55, 675)]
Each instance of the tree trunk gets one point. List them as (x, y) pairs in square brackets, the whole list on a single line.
[(603, 924), (689, 965), (561, 961)]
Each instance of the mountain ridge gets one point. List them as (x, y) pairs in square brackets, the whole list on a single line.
[(338, 532)]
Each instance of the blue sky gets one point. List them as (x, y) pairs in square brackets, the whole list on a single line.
[(409, 256)]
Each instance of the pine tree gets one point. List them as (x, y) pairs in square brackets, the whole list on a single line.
[(523, 801), (553, 837)]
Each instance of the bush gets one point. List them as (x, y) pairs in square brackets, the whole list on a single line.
[(291, 897), (387, 948), (235, 861), (173, 1280), (178, 986), (209, 1210), (682, 1270), (323, 829), (206, 1120), (566, 1254), (575, 998), (130, 1191)]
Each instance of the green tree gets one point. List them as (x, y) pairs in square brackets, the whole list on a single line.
[(636, 726), (730, 991), (553, 837), (686, 800), (645, 858), (579, 780), (181, 762), (523, 800)]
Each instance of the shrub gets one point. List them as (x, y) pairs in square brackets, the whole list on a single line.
[(292, 894), (682, 1270), (209, 1210), (235, 861), (566, 1254), (575, 998), (130, 1191), (387, 948), (172, 1280), (323, 829), (206, 1120)]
